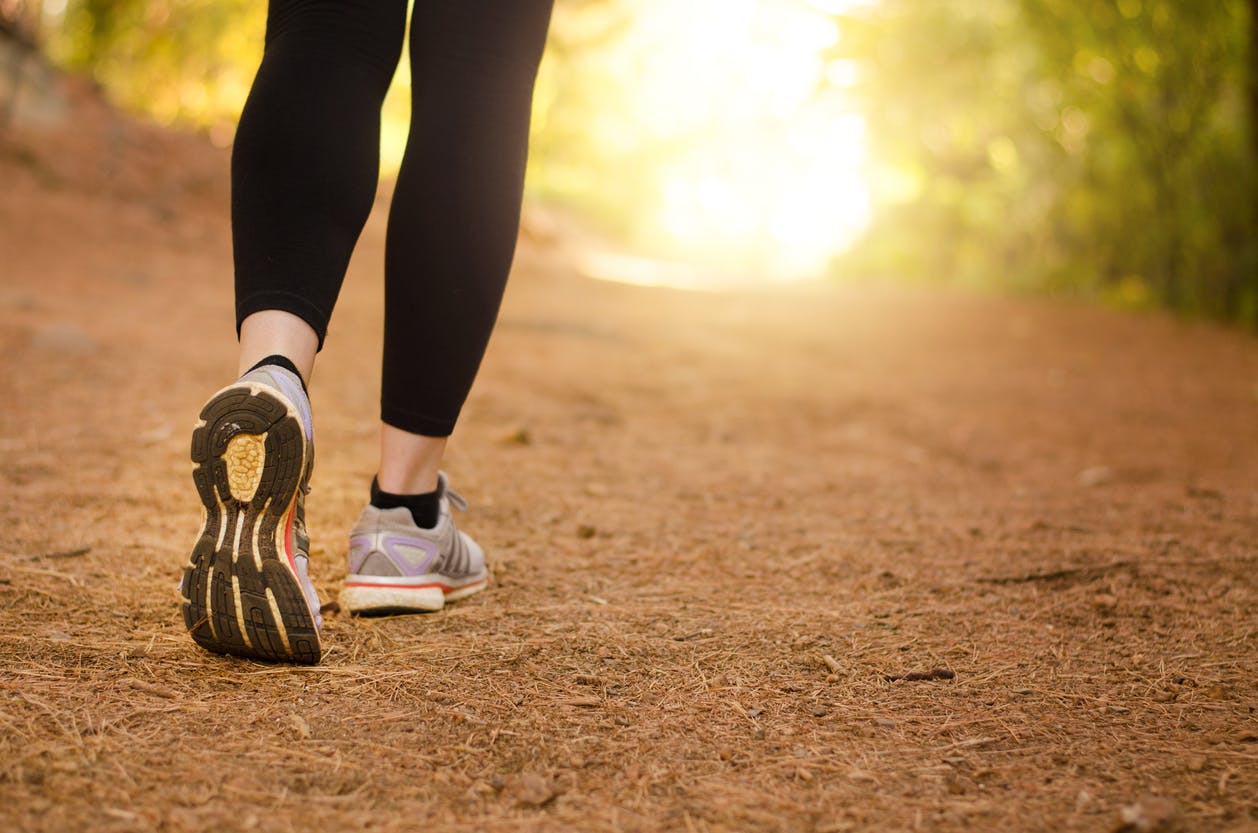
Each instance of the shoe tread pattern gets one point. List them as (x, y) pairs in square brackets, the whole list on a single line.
[(215, 581)]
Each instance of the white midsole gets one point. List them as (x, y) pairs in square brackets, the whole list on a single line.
[(427, 593)]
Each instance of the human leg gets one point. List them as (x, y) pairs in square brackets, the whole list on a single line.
[(303, 178), (456, 209), (272, 332), (451, 238), (409, 463), (305, 162)]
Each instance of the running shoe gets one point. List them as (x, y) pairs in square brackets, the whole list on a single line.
[(247, 588), (396, 566)]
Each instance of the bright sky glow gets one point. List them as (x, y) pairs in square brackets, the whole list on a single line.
[(745, 160), (767, 177)]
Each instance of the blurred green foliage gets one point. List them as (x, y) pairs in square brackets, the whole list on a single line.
[(1098, 148), (575, 157), (1101, 149), (180, 61)]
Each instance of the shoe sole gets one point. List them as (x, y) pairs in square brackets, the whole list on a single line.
[(429, 594), (241, 591)]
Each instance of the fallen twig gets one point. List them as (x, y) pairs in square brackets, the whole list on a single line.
[(917, 676), (1098, 570), (829, 662), (1053, 575), (64, 554)]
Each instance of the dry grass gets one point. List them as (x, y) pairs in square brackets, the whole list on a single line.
[(719, 524)]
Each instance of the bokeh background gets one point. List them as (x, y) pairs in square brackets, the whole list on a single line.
[(899, 525), (1103, 150)]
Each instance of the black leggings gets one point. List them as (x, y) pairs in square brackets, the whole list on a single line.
[(306, 162)]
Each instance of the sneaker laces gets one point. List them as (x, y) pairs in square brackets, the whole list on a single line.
[(456, 500)]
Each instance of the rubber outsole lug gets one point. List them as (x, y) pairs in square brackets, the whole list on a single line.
[(231, 604)]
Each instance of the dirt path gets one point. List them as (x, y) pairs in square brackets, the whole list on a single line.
[(723, 528)]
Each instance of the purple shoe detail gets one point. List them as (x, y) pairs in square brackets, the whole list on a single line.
[(395, 565), (408, 555)]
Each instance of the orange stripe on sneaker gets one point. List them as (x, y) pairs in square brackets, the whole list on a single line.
[(290, 545), (444, 588)]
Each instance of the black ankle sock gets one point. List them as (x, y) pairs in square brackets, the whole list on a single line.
[(284, 362), (425, 508)]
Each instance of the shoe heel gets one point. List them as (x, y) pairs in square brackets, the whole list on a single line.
[(241, 593)]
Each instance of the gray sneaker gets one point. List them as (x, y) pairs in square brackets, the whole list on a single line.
[(246, 589), (398, 567)]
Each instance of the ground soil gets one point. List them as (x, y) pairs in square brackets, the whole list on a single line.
[(823, 558)]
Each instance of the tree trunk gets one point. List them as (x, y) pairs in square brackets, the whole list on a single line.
[(1253, 79), (19, 26), (1252, 89), (19, 20)]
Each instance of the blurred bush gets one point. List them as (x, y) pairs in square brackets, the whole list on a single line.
[(1102, 149), (1105, 149), (179, 61)]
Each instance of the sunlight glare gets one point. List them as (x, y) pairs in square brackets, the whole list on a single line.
[(765, 173)]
